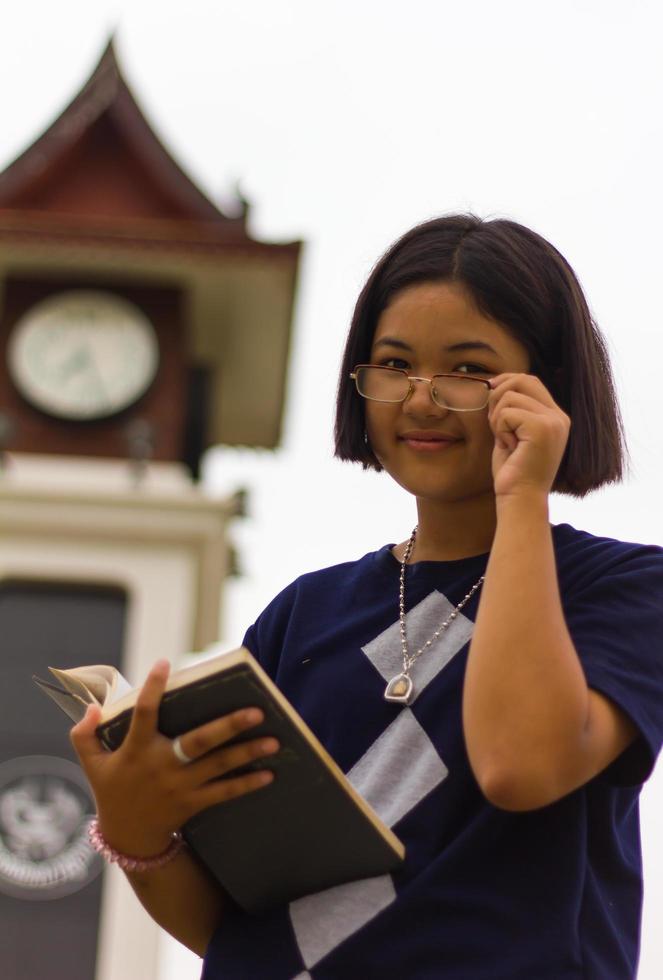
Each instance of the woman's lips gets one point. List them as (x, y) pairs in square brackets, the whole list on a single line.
[(428, 442)]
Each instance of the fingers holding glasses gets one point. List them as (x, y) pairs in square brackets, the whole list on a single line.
[(531, 432), (521, 399), (528, 384)]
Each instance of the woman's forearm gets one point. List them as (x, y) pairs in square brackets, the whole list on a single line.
[(183, 899), (525, 700)]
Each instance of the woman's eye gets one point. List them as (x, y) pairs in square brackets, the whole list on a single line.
[(472, 369), (395, 362)]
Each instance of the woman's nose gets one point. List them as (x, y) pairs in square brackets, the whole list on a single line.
[(420, 398)]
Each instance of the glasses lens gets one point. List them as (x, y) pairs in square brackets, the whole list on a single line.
[(382, 384), (462, 394)]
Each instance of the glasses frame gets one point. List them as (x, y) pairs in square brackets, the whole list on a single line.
[(411, 378)]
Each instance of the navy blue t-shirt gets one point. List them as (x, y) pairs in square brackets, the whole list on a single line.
[(484, 894)]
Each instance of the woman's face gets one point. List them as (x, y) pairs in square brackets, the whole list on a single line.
[(434, 452)]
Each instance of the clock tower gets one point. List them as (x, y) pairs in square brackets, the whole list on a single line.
[(139, 325), (127, 296)]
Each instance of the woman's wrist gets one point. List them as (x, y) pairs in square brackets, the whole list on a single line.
[(136, 838), (534, 504), (147, 861)]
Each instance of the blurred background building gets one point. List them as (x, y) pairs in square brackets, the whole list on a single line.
[(139, 325)]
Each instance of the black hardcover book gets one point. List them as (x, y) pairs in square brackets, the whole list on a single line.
[(307, 830)]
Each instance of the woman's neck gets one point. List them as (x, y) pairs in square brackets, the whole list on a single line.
[(448, 532)]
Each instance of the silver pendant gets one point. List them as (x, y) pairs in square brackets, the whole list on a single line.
[(399, 689)]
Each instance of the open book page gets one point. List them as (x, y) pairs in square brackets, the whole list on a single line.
[(71, 704), (98, 684), (82, 686)]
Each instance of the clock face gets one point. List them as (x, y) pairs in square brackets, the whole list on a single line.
[(83, 354)]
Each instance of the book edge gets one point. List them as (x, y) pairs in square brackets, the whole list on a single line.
[(385, 832)]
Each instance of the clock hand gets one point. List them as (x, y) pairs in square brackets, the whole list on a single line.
[(101, 382), (75, 363), (83, 363)]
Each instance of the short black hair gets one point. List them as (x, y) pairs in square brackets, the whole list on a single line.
[(519, 280)]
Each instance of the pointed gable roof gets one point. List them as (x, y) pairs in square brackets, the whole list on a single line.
[(101, 157)]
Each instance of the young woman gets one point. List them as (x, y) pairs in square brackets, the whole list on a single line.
[(493, 685)]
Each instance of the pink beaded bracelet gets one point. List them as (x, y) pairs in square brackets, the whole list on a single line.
[(126, 861)]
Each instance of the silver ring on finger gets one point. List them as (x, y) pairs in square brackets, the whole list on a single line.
[(180, 754)]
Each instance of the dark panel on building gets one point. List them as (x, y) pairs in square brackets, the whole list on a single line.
[(42, 810)]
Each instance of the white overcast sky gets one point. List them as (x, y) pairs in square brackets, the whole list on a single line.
[(347, 122)]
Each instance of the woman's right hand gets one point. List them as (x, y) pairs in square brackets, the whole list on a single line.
[(143, 792)]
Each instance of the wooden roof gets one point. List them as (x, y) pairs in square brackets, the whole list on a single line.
[(103, 138)]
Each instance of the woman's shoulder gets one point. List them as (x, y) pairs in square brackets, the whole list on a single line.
[(568, 537), (323, 595), (583, 557), (380, 562)]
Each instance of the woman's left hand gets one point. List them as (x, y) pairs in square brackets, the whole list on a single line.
[(531, 432)]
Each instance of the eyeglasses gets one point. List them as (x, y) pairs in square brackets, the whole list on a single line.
[(457, 392)]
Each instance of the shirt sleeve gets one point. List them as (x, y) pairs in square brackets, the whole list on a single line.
[(267, 636), (616, 623)]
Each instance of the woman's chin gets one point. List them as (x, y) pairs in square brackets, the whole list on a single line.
[(442, 493)]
